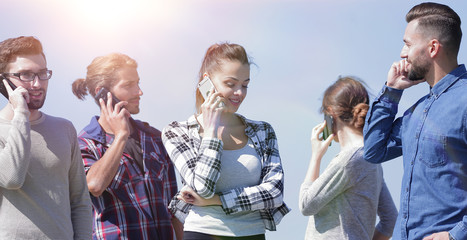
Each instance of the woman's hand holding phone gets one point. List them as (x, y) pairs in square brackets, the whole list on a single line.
[(18, 98), (318, 145), (211, 113), (318, 149), (117, 117)]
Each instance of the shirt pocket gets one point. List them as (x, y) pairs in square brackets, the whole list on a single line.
[(157, 166), (433, 150)]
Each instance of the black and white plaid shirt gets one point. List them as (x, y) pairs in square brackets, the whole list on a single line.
[(199, 159)]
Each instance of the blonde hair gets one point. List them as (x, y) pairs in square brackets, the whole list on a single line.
[(101, 73)]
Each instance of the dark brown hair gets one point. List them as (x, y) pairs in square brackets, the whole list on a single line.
[(13, 47), (438, 21), (215, 57), (348, 100)]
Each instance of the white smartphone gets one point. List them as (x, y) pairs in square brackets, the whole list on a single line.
[(205, 87)]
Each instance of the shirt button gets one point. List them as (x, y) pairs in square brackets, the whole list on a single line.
[(405, 216), (406, 189), (412, 162)]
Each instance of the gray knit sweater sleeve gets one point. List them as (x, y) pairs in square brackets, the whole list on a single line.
[(15, 145), (344, 200)]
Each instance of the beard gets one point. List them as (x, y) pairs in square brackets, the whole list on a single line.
[(37, 103), (419, 69)]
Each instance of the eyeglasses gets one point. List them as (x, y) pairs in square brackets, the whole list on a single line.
[(30, 76)]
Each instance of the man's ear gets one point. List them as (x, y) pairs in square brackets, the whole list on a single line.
[(97, 90), (434, 47)]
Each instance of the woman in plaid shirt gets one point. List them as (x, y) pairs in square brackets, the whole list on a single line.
[(230, 166)]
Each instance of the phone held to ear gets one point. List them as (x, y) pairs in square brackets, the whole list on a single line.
[(2, 86), (103, 94), (328, 128), (205, 87)]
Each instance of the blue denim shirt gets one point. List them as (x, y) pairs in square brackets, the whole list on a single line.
[(432, 135)]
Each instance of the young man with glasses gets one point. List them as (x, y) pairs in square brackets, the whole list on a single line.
[(43, 191)]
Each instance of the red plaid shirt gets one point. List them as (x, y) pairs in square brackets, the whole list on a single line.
[(134, 205)]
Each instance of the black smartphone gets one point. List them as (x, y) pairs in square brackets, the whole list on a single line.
[(328, 128), (2, 86), (103, 94)]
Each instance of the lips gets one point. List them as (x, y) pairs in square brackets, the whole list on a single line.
[(35, 94), (235, 101), (134, 101)]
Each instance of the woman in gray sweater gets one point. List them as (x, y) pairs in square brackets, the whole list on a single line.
[(344, 200)]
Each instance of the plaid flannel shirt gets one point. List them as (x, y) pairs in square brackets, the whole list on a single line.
[(135, 204), (198, 161)]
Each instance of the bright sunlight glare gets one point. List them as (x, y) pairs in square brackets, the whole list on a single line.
[(112, 15)]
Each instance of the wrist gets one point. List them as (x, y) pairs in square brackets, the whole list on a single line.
[(123, 136), (215, 200), (210, 132)]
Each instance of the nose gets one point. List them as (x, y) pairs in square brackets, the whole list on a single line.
[(238, 91), (140, 92), (404, 51), (36, 82)]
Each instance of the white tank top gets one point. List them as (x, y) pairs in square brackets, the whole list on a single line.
[(239, 168)]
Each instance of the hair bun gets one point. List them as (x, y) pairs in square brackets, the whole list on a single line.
[(359, 114)]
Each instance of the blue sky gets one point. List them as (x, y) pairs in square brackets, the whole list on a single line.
[(299, 47)]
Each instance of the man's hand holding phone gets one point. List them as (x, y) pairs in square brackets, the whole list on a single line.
[(18, 97), (398, 76), (116, 116)]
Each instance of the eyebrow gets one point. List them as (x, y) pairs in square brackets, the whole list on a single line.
[(235, 79), (27, 70)]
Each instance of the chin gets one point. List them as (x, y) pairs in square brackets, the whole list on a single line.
[(231, 110), (134, 110)]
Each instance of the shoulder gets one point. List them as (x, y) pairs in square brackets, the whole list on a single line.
[(178, 128), (355, 162), (257, 125), (58, 122), (145, 127)]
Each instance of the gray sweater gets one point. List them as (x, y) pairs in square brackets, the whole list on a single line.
[(43, 190), (345, 199)]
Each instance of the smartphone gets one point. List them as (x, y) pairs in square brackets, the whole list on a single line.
[(2, 86), (103, 94), (205, 87), (328, 128)]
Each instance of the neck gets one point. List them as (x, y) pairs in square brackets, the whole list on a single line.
[(440, 70), (228, 119), (35, 114), (350, 138)]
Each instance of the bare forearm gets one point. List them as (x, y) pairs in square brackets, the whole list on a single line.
[(102, 172), (313, 169), (178, 228)]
